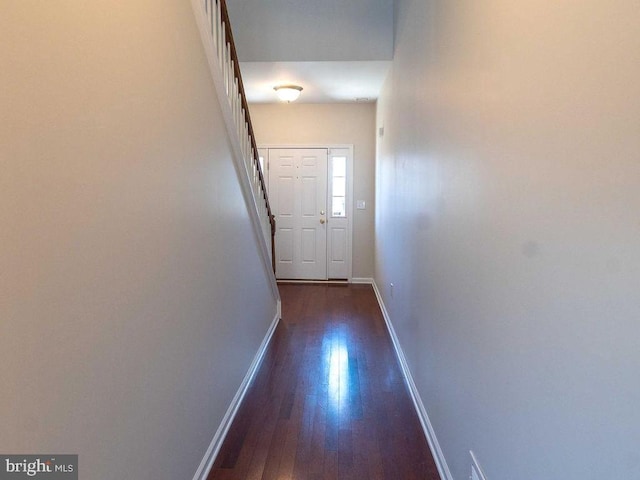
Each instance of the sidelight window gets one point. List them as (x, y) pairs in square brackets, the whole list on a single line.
[(338, 186)]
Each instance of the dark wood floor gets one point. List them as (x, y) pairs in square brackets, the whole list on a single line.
[(329, 401)]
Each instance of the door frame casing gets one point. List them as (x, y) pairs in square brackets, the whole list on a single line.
[(348, 151)]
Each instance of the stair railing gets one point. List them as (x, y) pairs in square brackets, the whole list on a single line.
[(219, 33)]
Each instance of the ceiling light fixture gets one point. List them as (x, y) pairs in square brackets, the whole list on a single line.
[(288, 93)]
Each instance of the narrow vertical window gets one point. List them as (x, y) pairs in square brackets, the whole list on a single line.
[(338, 186)]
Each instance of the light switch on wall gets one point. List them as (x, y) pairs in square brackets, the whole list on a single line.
[(361, 205)]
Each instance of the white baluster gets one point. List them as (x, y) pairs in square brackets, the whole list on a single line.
[(209, 12), (234, 99), (241, 124), (247, 144), (232, 93), (214, 24), (244, 134), (239, 117), (220, 32), (229, 70), (223, 57), (247, 140)]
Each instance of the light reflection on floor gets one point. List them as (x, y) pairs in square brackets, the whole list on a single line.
[(336, 360)]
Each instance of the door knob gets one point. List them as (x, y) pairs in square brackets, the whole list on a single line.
[(322, 221), (321, 212)]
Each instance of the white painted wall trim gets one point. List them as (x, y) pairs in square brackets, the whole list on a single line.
[(476, 470), (214, 447), (436, 451), (234, 142)]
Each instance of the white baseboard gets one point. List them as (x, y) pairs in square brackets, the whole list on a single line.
[(441, 463), (214, 447), (365, 280)]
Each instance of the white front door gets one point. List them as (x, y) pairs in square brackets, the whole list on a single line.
[(298, 196)]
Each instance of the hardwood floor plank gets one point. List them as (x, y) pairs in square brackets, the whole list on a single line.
[(329, 400)]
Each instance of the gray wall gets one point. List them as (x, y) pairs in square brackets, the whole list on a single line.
[(507, 217), (126, 253), (326, 124), (308, 30)]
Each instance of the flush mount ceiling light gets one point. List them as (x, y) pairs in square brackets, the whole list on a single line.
[(288, 93)]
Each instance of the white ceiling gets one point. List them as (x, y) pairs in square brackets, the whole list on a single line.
[(322, 82), (337, 50)]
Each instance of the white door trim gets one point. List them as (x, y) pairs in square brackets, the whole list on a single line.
[(349, 201)]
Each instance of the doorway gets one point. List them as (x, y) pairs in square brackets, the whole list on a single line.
[(310, 194)]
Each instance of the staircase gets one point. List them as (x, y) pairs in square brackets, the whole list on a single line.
[(215, 29)]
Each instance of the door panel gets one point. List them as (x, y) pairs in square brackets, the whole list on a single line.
[(309, 254), (338, 242), (298, 192), (286, 186), (309, 200), (285, 246)]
